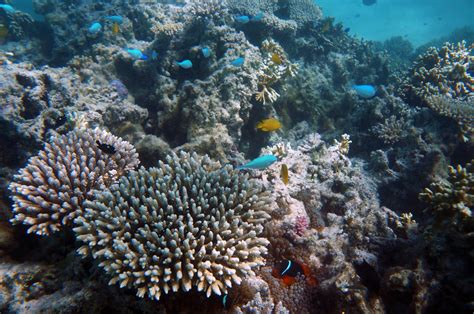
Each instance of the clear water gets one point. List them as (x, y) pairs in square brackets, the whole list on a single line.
[(417, 20)]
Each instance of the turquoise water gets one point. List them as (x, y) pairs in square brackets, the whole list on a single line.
[(417, 20)]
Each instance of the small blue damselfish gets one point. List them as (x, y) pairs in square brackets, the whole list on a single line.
[(364, 91), (185, 64), (95, 28), (238, 62)]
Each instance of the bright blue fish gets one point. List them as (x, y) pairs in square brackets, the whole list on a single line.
[(136, 54), (185, 64), (206, 52), (115, 18), (8, 8), (238, 62), (244, 19), (261, 162), (95, 28), (364, 91), (258, 17)]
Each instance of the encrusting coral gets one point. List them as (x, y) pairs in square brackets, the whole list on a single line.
[(49, 192), (189, 223)]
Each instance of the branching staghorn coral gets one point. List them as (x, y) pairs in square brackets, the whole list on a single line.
[(443, 79), (275, 68), (452, 200), (187, 224), (49, 192), (392, 130), (447, 71)]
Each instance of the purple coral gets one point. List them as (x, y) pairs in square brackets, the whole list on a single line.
[(301, 224), (120, 88)]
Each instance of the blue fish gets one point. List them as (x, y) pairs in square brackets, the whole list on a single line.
[(206, 52), (261, 162), (136, 54), (115, 18), (154, 55), (238, 62), (258, 17), (185, 64), (244, 19), (7, 8), (95, 28), (364, 91)]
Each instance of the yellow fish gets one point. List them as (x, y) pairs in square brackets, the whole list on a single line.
[(276, 59), (115, 28), (284, 174), (268, 125), (3, 32)]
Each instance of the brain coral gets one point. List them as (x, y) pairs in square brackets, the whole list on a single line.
[(188, 223), (49, 192)]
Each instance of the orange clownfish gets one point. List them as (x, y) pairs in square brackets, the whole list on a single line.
[(268, 125), (287, 270)]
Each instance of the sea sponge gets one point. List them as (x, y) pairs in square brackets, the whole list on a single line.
[(49, 192), (188, 223)]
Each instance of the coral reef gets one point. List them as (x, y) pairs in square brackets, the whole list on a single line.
[(187, 227), (50, 191), (275, 67), (187, 224), (443, 80), (452, 200)]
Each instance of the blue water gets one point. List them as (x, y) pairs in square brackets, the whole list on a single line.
[(417, 20)]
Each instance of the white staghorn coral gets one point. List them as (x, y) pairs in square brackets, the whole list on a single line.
[(187, 224), (49, 192)]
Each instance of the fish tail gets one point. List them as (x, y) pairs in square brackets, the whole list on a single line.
[(288, 280), (310, 279)]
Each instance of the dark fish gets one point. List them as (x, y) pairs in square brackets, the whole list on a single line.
[(106, 148), (347, 29), (357, 15), (369, 2), (287, 270)]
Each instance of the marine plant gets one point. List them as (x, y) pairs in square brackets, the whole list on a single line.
[(50, 191), (275, 67), (189, 223)]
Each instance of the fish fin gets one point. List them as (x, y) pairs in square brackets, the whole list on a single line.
[(288, 280), (276, 273), (312, 281)]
